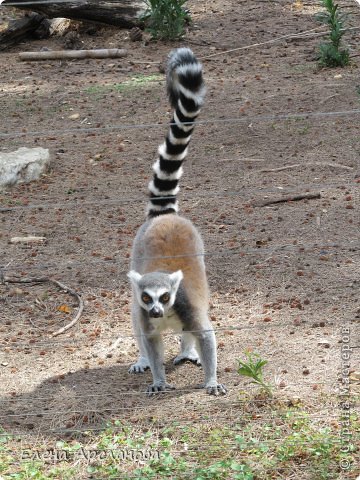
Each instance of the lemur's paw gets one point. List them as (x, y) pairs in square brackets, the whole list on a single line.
[(158, 388), (192, 357), (140, 366), (214, 389)]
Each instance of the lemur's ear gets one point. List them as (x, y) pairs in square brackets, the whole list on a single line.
[(175, 279), (134, 277)]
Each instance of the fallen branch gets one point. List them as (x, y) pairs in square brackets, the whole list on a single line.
[(73, 54), (287, 198), (59, 285)]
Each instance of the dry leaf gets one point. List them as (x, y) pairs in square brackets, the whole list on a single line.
[(64, 309)]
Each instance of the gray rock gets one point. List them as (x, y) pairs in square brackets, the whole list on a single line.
[(23, 166)]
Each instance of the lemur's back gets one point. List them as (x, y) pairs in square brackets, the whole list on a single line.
[(169, 243)]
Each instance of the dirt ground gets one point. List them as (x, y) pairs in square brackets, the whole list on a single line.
[(284, 277)]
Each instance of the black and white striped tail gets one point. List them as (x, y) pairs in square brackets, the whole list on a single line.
[(186, 92)]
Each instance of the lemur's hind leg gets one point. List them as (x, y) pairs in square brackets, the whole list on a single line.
[(188, 350)]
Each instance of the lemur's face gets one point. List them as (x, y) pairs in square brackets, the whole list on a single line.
[(156, 291)]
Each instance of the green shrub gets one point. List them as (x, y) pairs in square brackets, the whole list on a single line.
[(166, 19)]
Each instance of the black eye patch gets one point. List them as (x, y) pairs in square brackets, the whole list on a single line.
[(164, 298)]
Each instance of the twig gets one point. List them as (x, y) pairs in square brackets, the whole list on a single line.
[(62, 287), (80, 308), (288, 198), (140, 62), (311, 164), (280, 169), (28, 239), (334, 165), (202, 43), (35, 326), (251, 159), (325, 100), (26, 280)]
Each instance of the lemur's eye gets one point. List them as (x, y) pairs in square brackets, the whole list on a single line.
[(145, 298), (165, 298)]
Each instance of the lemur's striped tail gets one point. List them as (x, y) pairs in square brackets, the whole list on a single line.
[(186, 92)]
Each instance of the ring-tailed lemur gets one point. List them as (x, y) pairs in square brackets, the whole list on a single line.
[(168, 277)]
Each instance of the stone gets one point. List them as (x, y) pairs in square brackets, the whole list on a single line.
[(23, 166)]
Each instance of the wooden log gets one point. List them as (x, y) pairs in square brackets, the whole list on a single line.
[(17, 30), (71, 54), (122, 13)]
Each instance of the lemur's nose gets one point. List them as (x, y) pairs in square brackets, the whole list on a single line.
[(156, 312)]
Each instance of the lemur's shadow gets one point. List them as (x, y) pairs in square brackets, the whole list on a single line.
[(88, 399)]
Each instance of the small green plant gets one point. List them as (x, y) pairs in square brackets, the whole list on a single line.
[(253, 368), (331, 54), (166, 19)]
